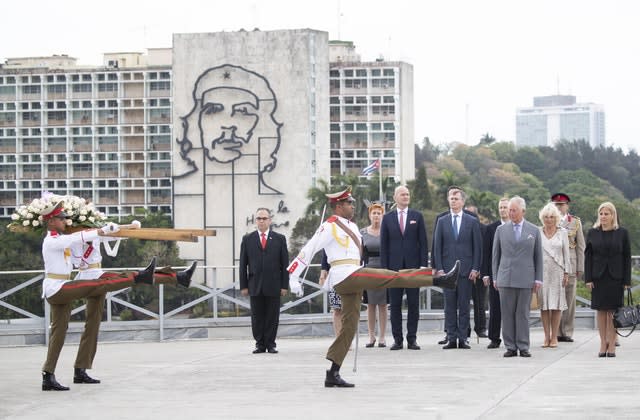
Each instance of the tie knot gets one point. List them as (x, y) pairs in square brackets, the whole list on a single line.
[(263, 234)]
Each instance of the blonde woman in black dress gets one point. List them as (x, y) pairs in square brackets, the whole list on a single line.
[(607, 272)]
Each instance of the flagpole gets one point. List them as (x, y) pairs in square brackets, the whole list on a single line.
[(380, 181)]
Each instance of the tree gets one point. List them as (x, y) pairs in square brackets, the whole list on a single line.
[(420, 190), (487, 140)]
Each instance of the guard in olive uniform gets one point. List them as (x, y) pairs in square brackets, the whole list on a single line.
[(341, 240), (60, 291), (576, 252)]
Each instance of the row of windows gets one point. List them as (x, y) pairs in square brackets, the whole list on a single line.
[(84, 77), (87, 184), (63, 131), (334, 100), (362, 72), (373, 126), (112, 103)]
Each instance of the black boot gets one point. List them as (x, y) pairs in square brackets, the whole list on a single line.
[(333, 378), (49, 383), (184, 277), (80, 377), (146, 275), (448, 280)]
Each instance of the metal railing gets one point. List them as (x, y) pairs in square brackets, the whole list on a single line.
[(215, 295)]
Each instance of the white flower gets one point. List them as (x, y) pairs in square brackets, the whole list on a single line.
[(36, 223), (30, 216), (69, 222), (25, 223), (83, 212), (92, 219), (15, 216), (82, 218)]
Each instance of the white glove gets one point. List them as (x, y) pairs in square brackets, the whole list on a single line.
[(136, 224), (110, 228), (296, 286)]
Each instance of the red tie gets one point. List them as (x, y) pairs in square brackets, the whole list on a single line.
[(263, 241), (402, 222)]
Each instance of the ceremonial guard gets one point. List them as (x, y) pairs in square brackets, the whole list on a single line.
[(341, 240), (573, 225), (60, 291)]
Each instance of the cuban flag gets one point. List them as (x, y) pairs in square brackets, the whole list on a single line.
[(371, 168)]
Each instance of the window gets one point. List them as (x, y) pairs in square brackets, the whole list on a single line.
[(160, 85)]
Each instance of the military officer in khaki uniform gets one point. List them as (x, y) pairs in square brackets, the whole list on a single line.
[(60, 291), (576, 252), (341, 240)]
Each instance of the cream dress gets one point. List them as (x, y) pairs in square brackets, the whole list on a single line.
[(556, 261)]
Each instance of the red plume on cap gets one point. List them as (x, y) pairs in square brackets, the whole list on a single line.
[(560, 198), (344, 195)]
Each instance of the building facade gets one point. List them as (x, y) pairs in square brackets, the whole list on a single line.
[(371, 114), (559, 117), (97, 132)]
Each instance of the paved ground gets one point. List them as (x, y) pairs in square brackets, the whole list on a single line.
[(221, 379)]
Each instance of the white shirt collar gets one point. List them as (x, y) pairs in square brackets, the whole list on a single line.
[(459, 214)]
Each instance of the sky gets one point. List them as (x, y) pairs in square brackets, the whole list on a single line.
[(475, 62)]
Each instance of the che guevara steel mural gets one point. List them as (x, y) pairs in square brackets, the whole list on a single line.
[(233, 117)]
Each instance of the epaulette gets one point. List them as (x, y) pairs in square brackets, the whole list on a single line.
[(332, 219)]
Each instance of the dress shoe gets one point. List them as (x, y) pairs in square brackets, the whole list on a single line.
[(452, 344), (370, 344), (396, 346), (445, 340), (259, 350), (49, 383), (525, 353), (184, 277), (413, 346), (510, 353), (333, 379), (448, 280), (463, 345), (482, 334), (146, 276), (272, 350), (494, 344), (80, 377), (602, 354), (611, 355), (565, 339)]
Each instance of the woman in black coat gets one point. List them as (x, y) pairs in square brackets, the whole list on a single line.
[(607, 272)]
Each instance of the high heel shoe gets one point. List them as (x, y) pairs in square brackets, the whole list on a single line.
[(602, 354), (381, 344), (371, 344), (611, 355)]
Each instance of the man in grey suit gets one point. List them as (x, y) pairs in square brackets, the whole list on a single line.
[(457, 237), (517, 268)]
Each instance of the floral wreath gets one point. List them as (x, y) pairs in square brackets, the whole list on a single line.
[(80, 213)]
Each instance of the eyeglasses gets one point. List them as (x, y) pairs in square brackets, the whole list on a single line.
[(260, 219)]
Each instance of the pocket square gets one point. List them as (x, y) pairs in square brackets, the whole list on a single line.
[(530, 236), (412, 222)]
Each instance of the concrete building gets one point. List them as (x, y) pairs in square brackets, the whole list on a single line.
[(559, 117), (252, 130), (99, 132), (143, 131), (371, 112)]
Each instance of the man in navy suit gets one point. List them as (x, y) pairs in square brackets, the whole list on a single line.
[(263, 275), (403, 244), (457, 237)]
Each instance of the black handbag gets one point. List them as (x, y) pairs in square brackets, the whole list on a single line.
[(627, 316)]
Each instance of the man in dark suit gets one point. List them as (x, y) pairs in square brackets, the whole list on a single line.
[(403, 244), (479, 289), (457, 237), (487, 274), (264, 276), (517, 270)]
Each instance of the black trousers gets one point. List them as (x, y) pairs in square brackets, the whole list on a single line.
[(479, 296), (494, 314), (265, 316)]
